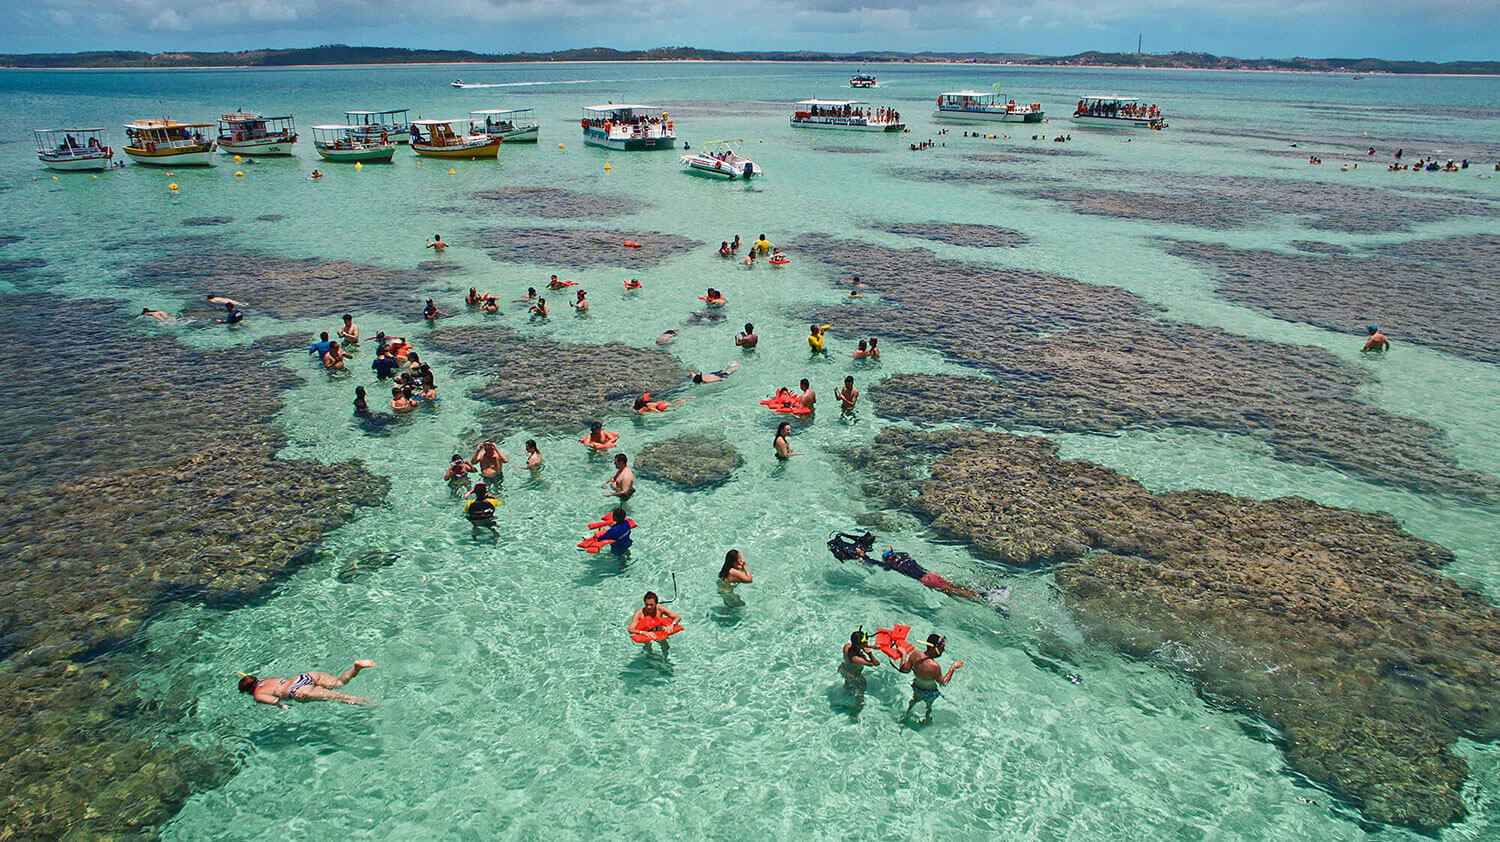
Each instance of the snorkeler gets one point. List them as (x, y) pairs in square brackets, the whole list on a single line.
[(312, 686), (458, 472), (846, 547), (667, 338), (715, 376), (232, 314), (582, 304), (732, 574), (539, 309), (857, 656), (159, 315), (927, 674)]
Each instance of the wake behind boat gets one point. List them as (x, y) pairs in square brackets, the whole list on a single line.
[(721, 158)]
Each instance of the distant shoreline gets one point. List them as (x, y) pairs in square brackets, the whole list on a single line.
[(346, 56)]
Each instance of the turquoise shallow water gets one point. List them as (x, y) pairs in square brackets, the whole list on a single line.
[(510, 703)]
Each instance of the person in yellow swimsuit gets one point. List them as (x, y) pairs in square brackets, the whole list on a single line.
[(815, 339)]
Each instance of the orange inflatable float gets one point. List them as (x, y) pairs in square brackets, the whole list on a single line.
[(785, 402), (653, 628), (609, 441), (629, 244), (591, 543), (892, 642)]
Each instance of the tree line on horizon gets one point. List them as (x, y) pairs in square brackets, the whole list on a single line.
[(335, 54)]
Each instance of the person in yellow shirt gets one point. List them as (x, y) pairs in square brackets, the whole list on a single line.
[(815, 339), (762, 246)]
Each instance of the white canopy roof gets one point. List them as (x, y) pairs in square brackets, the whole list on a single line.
[(970, 93), (830, 102), (495, 112), (1110, 98), (607, 108), (376, 113), (439, 122)]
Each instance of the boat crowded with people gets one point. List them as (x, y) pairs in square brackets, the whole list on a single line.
[(978, 105), (168, 143), (511, 125), (451, 139), (721, 158), (73, 149), (1117, 112), (243, 133), (352, 144), (628, 127), (848, 114), (394, 123)]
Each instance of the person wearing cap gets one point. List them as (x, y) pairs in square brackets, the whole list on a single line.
[(928, 677), (1377, 343)]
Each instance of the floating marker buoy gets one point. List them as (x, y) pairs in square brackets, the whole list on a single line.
[(358, 165), (238, 174), (169, 173), (559, 146), (451, 171), (54, 178), (172, 186), (236, 159), (96, 176), (606, 165)]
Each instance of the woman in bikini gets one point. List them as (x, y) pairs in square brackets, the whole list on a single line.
[(310, 686)]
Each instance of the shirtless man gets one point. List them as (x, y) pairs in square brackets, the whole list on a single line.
[(349, 333), (927, 674), (218, 299), (848, 395), (489, 458), (333, 358), (436, 243), (310, 686), (623, 482), (748, 339), (808, 396), (159, 315), (1377, 343), (649, 616), (715, 376)]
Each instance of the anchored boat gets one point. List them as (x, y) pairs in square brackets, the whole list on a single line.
[(512, 125), (439, 139), (393, 124), (1118, 112), (168, 143), (977, 105), (721, 158), (251, 134), (73, 149), (628, 127), (351, 144), (848, 114)]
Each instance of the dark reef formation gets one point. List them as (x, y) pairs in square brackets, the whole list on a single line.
[(288, 288), (1333, 625), (1426, 291), (1064, 355), (575, 247), (128, 489), (690, 462), (204, 221), (546, 387), (552, 203), (957, 233)]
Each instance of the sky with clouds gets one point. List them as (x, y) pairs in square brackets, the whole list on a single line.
[(1435, 30)]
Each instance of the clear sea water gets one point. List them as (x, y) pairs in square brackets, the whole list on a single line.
[(511, 704)]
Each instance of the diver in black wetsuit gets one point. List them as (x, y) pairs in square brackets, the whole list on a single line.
[(846, 547)]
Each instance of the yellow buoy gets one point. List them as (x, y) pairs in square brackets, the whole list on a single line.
[(54, 178), (358, 165), (96, 176), (172, 186), (606, 165), (451, 171), (559, 146), (238, 174), (236, 159)]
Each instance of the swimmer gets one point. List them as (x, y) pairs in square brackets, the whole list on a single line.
[(623, 482), (436, 243), (533, 456), (159, 315), (232, 315), (762, 245), (927, 674), (312, 686), (1377, 343), (349, 333), (815, 338), (481, 510), (598, 437), (385, 363), (333, 360), (749, 258), (401, 399), (617, 536), (431, 313), (714, 298), (361, 406), (781, 445), (645, 404), (667, 338), (715, 376), (808, 398), (874, 348), (732, 574), (315, 175), (556, 284), (725, 250), (857, 656), (735, 246), (457, 475), (651, 615), (490, 305), (491, 461), (319, 348), (748, 339), (857, 282), (863, 350), (475, 299), (539, 309), (631, 284), (848, 395), (529, 296), (582, 304), (216, 299)]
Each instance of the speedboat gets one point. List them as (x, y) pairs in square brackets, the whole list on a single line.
[(1117, 112), (439, 139), (512, 125), (168, 143), (458, 83), (628, 127), (392, 123), (352, 144), (721, 158), (73, 149), (251, 134), (848, 114), (977, 105), (862, 80)]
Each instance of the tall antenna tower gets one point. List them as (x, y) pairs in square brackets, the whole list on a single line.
[(1138, 43)]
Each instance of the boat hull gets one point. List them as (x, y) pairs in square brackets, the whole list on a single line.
[(527, 135), (200, 157), (990, 116), (76, 163), (628, 144), (848, 127), (262, 146), (488, 149), (379, 155), (700, 166), (1119, 122)]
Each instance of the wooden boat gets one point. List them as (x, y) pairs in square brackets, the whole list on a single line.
[(392, 123), (438, 139), (511, 125), (168, 143), (251, 134), (349, 144), (73, 149)]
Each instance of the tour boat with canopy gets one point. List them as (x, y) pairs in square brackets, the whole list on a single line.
[(848, 114), (1118, 112), (439, 139), (721, 158), (394, 122), (73, 149), (352, 143), (168, 143), (251, 134), (512, 125), (978, 105), (862, 80), (628, 127)]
